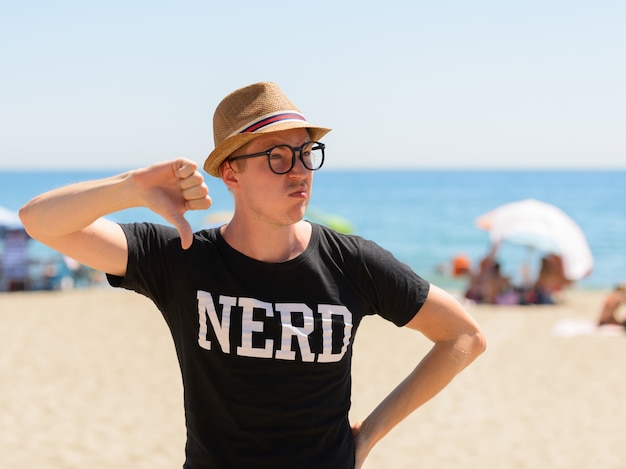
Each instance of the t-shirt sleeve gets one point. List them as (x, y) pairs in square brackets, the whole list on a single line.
[(152, 259), (396, 291)]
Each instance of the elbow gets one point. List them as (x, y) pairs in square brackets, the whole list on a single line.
[(467, 346), (28, 219), (33, 220), (478, 343), (25, 216)]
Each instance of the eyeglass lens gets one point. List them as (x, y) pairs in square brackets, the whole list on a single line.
[(282, 157)]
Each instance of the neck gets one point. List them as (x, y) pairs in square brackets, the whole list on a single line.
[(267, 243)]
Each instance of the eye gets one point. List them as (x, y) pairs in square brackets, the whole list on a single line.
[(280, 152), (275, 153)]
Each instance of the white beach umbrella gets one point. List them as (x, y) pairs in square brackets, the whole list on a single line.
[(544, 227)]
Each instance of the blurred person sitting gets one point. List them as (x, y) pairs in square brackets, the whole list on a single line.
[(610, 306), (489, 285), (14, 265), (550, 281)]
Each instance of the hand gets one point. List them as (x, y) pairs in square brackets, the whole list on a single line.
[(172, 188), (361, 447)]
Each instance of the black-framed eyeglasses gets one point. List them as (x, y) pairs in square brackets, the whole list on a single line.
[(282, 158)]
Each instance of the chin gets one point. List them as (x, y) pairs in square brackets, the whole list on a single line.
[(296, 216)]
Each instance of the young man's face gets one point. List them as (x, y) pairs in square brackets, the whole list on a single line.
[(274, 198)]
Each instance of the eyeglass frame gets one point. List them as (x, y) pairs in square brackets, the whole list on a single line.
[(268, 154)]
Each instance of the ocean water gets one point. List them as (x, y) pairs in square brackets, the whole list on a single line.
[(425, 217)]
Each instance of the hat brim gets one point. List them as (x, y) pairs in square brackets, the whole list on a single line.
[(228, 146)]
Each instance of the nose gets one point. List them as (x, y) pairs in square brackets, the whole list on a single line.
[(299, 170)]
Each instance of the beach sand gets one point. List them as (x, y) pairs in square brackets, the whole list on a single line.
[(89, 379)]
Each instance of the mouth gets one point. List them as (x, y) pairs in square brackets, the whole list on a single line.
[(300, 190), (299, 194)]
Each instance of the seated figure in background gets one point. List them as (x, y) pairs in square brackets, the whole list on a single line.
[(489, 285), (14, 261), (610, 306), (551, 280)]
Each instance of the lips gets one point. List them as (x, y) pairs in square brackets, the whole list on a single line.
[(300, 191)]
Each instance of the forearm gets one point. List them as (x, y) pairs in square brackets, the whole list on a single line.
[(72, 208), (434, 372), (65, 216)]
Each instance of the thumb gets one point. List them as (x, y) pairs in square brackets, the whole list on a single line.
[(184, 230)]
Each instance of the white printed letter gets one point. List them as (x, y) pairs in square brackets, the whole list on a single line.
[(206, 306), (250, 326), (300, 333), (327, 312)]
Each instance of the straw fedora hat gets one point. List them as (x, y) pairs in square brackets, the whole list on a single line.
[(249, 112)]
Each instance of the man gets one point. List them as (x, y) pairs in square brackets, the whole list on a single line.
[(263, 310)]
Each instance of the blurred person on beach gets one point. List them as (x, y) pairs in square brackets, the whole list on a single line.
[(14, 261), (611, 305), (263, 310), (550, 281), (488, 285)]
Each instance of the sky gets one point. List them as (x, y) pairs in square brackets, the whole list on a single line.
[(404, 84)]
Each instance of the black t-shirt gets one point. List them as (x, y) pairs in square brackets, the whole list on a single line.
[(265, 349)]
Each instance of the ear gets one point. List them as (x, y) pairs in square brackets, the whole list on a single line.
[(229, 175)]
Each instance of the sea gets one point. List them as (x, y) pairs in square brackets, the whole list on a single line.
[(424, 217)]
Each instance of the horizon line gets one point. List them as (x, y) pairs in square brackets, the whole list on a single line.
[(57, 169)]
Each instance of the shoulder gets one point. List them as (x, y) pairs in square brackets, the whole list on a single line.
[(145, 229), (164, 234), (210, 235), (353, 248), (332, 238)]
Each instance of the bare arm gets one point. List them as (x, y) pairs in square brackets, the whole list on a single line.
[(457, 342), (69, 219)]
